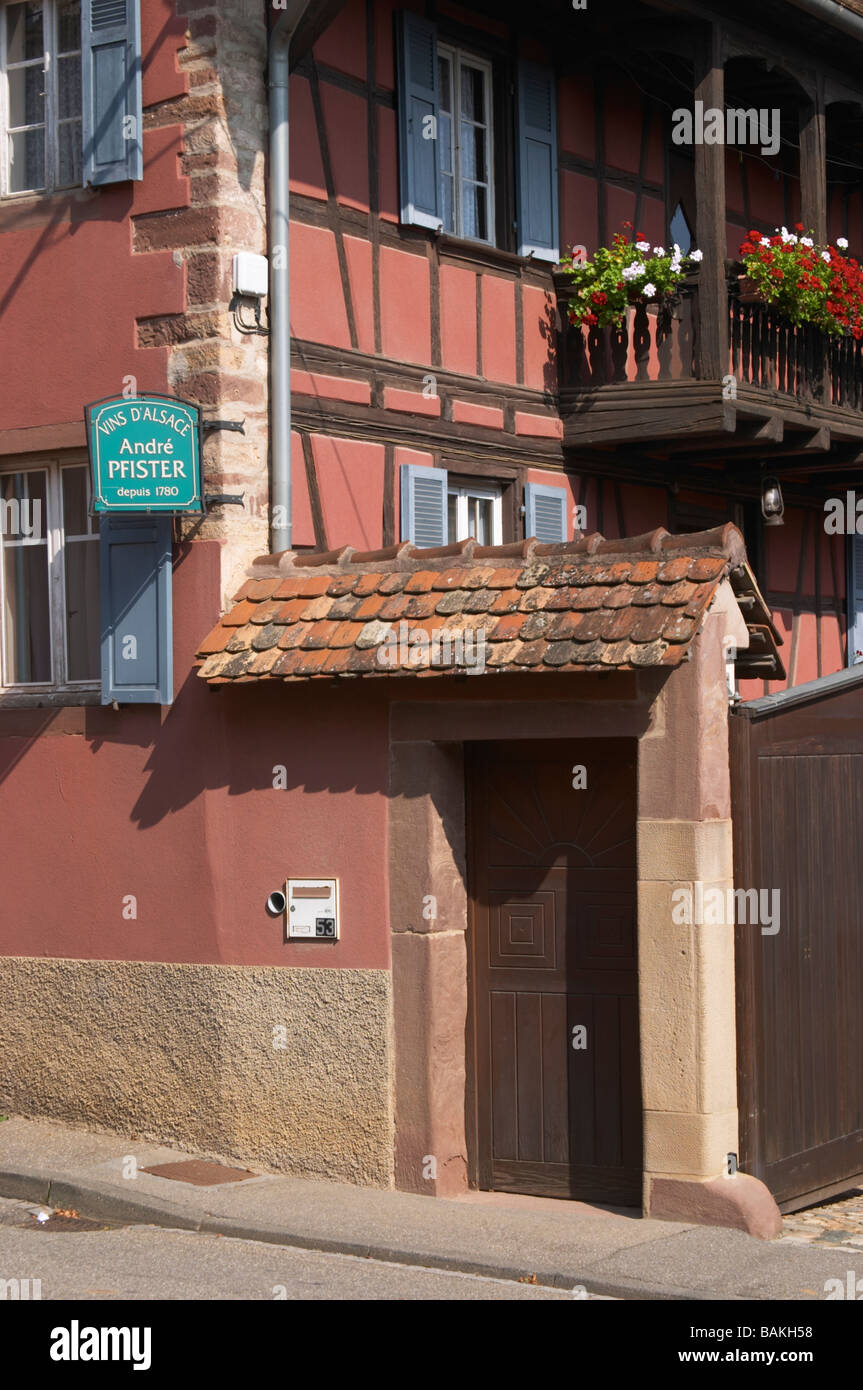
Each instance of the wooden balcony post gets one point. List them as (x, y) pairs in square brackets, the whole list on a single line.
[(712, 345), (813, 166), (813, 198)]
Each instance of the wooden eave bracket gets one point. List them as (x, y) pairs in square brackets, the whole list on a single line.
[(761, 659)]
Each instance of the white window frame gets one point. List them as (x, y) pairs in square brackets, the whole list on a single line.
[(463, 492), (52, 106), (456, 57), (54, 533)]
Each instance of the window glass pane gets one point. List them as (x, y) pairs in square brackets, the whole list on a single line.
[(24, 32), (26, 160), (70, 168), (681, 234), (472, 94), (75, 501), (474, 211), (472, 152), (69, 87), (82, 609), (479, 519), (452, 517), (447, 210), (26, 615), (444, 84), (26, 96), (445, 144), (69, 25)]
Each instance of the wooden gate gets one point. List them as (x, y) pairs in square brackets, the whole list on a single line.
[(555, 990), (797, 804)]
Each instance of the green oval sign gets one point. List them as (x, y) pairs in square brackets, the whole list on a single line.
[(145, 454)]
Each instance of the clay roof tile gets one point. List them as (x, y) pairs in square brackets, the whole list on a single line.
[(588, 604)]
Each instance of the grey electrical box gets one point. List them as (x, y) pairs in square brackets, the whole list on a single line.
[(313, 909)]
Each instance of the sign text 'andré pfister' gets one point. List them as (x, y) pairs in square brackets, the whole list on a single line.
[(145, 455)]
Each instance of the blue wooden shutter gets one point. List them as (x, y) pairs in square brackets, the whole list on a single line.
[(537, 163), (135, 595), (545, 509), (424, 505), (855, 599), (419, 160), (111, 90)]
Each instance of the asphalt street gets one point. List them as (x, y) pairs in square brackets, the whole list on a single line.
[(75, 1261)]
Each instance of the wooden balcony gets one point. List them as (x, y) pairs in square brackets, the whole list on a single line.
[(787, 391)]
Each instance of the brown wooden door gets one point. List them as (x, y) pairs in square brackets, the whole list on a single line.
[(797, 807), (553, 944)]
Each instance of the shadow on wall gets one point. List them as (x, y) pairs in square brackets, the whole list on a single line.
[(263, 738), (550, 328), (241, 106), (21, 730)]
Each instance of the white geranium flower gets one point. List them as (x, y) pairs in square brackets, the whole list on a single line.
[(649, 290), (642, 245), (842, 243), (806, 241), (696, 255), (784, 233), (659, 250), (765, 241), (631, 272), (825, 256)]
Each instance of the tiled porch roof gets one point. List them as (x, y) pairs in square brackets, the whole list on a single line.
[(590, 604)]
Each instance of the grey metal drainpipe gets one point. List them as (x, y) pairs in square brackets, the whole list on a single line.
[(280, 315), (835, 14)]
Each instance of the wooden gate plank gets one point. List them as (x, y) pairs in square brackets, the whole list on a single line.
[(797, 805)]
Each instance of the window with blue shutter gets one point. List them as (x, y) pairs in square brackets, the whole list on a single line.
[(419, 160), (446, 174), (537, 163), (111, 86), (855, 600), (424, 505), (545, 512), (135, 597)]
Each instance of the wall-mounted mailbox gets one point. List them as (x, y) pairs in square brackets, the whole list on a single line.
[(313, 909)]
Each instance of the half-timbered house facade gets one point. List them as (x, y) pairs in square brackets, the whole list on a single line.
[(456, 644)]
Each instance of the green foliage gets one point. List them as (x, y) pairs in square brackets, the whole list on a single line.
[(627, 272)]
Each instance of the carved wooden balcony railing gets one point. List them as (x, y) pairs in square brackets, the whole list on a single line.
[(641, 382), (800, 361), (655, 344)]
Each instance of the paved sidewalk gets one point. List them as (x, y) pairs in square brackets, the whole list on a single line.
[(563, 1244)]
